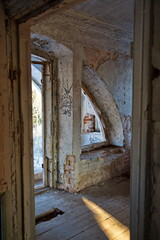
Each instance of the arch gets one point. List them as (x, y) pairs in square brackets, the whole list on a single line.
[(61, 59), (49, 46), (106, 105), (98, 113)]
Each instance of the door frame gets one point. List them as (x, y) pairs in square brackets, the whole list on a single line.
[(141, 113)]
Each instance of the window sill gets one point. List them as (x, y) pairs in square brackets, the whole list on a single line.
[(93, 146), (103, 152)]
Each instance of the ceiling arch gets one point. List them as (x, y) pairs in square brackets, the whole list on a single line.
[(106, 104)]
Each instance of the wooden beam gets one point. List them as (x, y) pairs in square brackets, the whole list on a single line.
[(35, 10), (26, 131), (17, 9)]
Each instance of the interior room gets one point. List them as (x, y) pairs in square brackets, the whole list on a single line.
[(79, 104), (99, 52)]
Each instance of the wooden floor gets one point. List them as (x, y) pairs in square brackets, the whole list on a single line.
[(97, 213)]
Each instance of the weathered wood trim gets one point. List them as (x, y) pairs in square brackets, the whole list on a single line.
[(36, 62), (141, 101), (16, 128), (9, 92), (26, 131), (4, 110), (5, 131), (45, 164), (18, 9), (52, 180)]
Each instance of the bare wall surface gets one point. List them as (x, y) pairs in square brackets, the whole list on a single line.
[(117, 74)]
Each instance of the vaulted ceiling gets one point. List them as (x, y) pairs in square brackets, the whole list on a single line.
[(117, 13)]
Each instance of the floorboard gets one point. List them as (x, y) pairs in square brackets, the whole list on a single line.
[(99, 212)]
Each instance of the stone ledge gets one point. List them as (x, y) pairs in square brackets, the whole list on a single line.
[(104, 152)]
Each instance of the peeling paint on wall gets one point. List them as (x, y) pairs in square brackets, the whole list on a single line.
[(95, 57)]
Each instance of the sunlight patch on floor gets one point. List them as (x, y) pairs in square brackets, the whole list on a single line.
[(111, 227)]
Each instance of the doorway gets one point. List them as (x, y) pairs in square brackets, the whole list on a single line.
[(21, 196), (42, 114), (108, 76), (37, 120)]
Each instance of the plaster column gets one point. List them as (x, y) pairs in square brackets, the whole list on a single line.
[(77, 83)]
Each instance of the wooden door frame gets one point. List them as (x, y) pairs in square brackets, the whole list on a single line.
[(141, 117), (50, 64), (28, 217)]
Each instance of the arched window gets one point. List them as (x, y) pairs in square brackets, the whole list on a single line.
[(91, 127)]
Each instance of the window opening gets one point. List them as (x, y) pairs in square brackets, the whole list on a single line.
[(37, 120), (92, 129)]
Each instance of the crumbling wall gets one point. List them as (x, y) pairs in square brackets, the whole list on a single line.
[(101, 165)]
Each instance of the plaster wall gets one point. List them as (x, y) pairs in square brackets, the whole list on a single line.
[(65, 111), (117, 74)]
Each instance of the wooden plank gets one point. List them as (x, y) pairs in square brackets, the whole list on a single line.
[(107, 229), (4, 108), (123, 236), (26, 131), (81, 223), (74, 204), (18, 8), (16, 126)]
